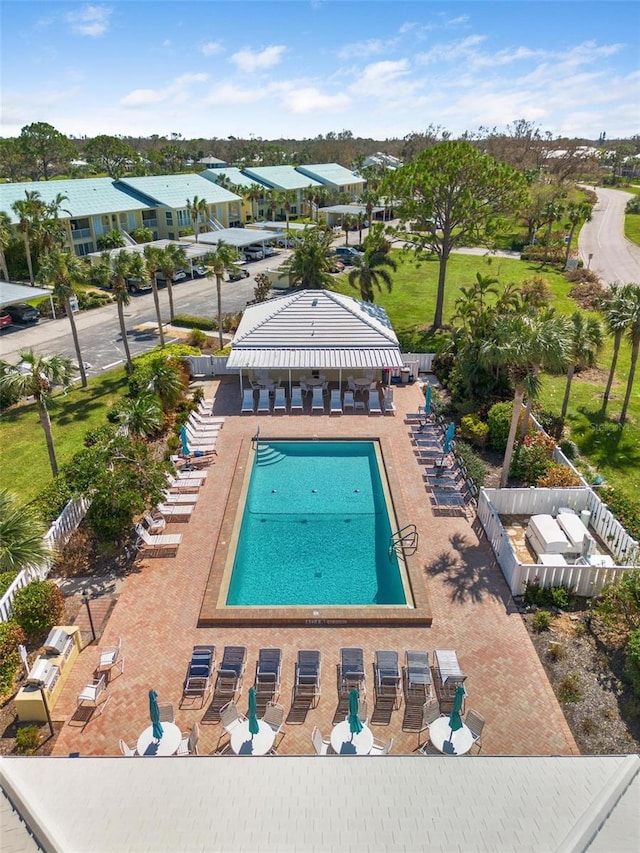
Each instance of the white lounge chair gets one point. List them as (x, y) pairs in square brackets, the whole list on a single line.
[(175, 511), (154, 525), (335, 405), (348, 402), (208, 419), (264, 404), (295, 404), (248, 402), (374, 402), (184, 485), (177, 498), (317, 401), (280, 401), (387, 403), (166, 540), (200, 441), (181, 474), (200, 428)]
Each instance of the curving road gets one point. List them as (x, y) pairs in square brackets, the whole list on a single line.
[(614, 258)]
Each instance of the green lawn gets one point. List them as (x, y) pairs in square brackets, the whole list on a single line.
[(632, 227), (24, 462)]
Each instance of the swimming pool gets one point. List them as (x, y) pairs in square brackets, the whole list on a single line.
[(315, 529)]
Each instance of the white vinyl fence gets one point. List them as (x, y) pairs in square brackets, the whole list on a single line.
[(56, 537), (585, 580)]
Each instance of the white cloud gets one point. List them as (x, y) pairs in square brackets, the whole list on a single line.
[(371, 47), (450, 51), (248, 60), (176, 92), (211, 48), (311, 100), (384, 80), (90, 20), (228, 94)]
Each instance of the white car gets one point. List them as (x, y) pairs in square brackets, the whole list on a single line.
[(253, 253)]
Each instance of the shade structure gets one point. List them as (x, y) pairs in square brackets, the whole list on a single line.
[(427, 400), (183, 440), (455, 720), (355, 723), (254, 728), (154, 713), (448, 437)]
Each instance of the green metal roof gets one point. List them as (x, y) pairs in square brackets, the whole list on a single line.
[(281, 177), (233, 174), (85, 196), (331, 173), (175, 191)]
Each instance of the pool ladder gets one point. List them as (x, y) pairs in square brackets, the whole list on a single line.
[(404, 541)]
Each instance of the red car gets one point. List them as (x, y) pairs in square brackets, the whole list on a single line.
[(5, 319)]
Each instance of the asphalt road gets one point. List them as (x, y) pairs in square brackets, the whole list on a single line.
[(614, 258)]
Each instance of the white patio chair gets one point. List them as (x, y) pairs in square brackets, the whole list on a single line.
[(320, 744), (110, 657), (475, 722), (274, 716), (166, 713), (189, 743), (166, 540), (127, 750), (91, 695), (381, 747), (230, 717), (154, 525)]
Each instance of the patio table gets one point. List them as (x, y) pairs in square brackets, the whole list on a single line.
[(244, 743), (362, 384), (167, 745), (448, 742), (346, 743)]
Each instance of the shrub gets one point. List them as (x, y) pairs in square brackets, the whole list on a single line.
[(632, 661), (569, 689), (499, 422), (197, 338), (561, 596), (555, 651), (558, 476), (190, 321), (633, 205), (11, 634), (627, 511), (532, 458), (262, 289), (536, 291), (27, 739), (474, 429), (619, 603), (37, 607), (569, 448), (550, 422), (476, 469), (50, 502), (541, 621), (589, 296), (549, 255), (7, 397), (6, 579)]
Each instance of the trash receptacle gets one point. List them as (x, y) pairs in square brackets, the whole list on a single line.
[(386, 376), (404, 373)]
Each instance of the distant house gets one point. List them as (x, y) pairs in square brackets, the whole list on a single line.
[(211, 163), (381, 161)]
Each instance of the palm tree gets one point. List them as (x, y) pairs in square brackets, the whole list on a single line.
[(253, 194), (633, 336), (309, 265), (577, 213), (614, 310), (50, 228), (5, 239), (115, 274), (22, 545), (63, 271), (347, 222), (198, 209), (587, 340), (29, 210), (285, 199), (142, 415), (271, 197), (111, 240), (525, 344), (553, 210), (369, 271), (173, 258), (167, 383), (153, 258), (37, 377), (222, 257), (370, 199)]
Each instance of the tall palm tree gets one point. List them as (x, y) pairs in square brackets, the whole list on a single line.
[(347, 223), (577, 213), (153, 259), (218, 260), (369, 271), (271, 197), (173, 258), (22, 545), (614, 310), (50, 229), (114, 274), (253, 193), (285, 199), (198, 209), (633, 336), (553, 211), (64, 271), (37, 377), (29, 211), (309, 265), (370, 198), (587, 340), (5, 239), (526, 344)]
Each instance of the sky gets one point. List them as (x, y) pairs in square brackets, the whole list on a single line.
[(296, 69)]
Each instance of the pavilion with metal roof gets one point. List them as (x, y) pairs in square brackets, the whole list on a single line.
[(314, 330), (237, 237), (12, 294)]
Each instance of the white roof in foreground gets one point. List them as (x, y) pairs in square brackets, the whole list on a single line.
[(10, 293), (399, 803), (237, 237), (315, 329)]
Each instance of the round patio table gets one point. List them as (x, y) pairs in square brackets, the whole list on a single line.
[(346, 743), (244, 743), (362, 384), (167, 745), (448, 742)]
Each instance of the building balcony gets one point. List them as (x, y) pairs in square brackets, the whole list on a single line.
[(81, 233)]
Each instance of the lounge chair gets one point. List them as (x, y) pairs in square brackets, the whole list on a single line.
[(374, 402), (201, 443), (178, 498), (348, 402), (203, 426), (280, 401), (307, 680), (248, 402), (231, 670), (175, 512), (317, 400), (335, 404), (204, 416), (351, 671), (197, 683), (417, 673), (448, 675), (295, 404), (387, 402), (264, 403), (184, 485), (154, 525), (268, 669), (387, 677), (182, 476), (165, 540)]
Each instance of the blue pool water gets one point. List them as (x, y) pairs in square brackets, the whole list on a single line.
[(315, 529)]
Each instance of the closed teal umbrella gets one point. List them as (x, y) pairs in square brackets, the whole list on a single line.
[(184, 441), (154, 713), (427, 402), (455, 720), (254, 727), (355, 723)]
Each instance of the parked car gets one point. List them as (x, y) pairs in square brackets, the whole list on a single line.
[(198, 271), (179, 275), (288, 242), (253, 253), (269, 251), (237, 274), (346, 254), (21, 312), (5, 319), (335, 265), (138, 285)]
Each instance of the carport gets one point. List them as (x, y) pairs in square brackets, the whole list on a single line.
[(11, 293), (192, 250), (239, 238)]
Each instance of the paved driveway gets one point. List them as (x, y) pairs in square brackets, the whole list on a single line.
[(614, 258)]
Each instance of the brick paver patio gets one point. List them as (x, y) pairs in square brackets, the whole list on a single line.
[(157, 612)]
